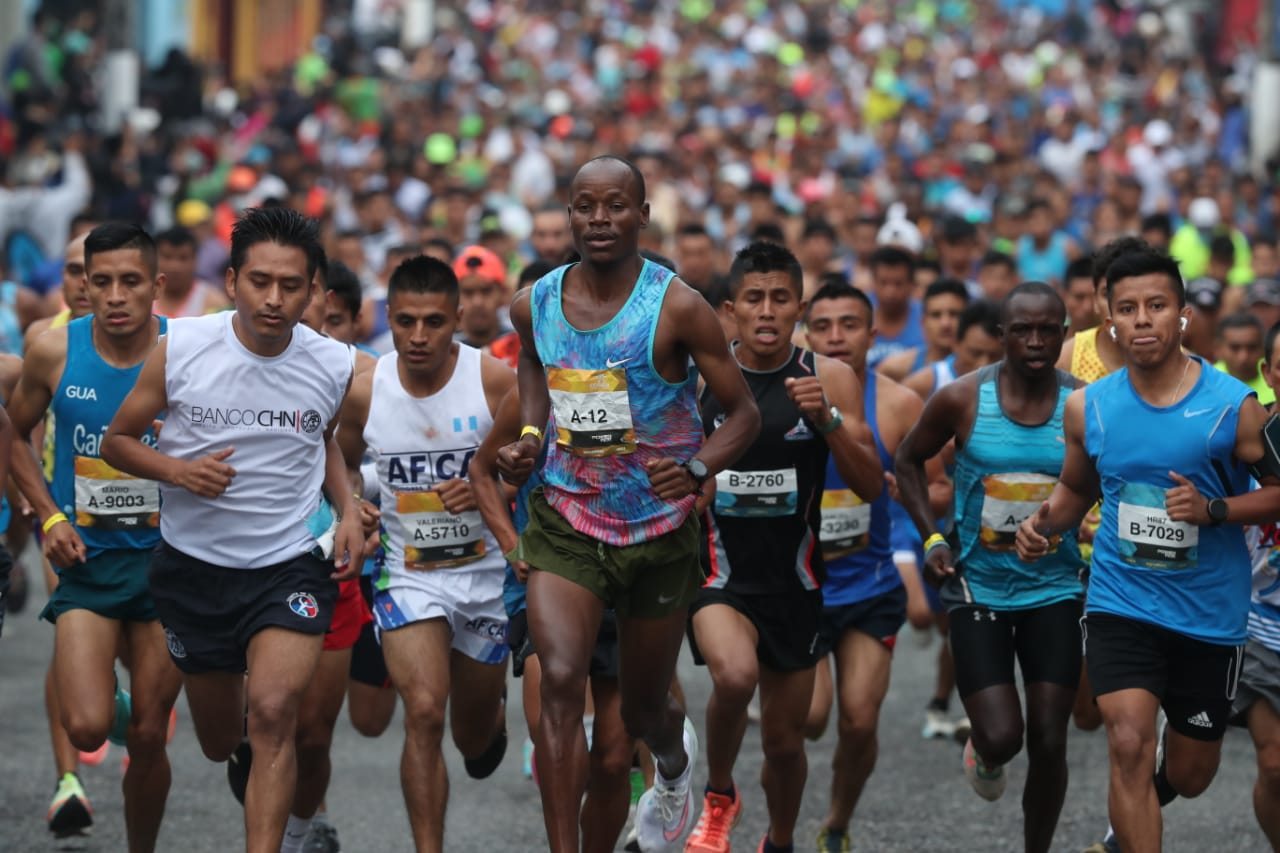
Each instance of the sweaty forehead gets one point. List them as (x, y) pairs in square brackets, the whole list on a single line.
[(603, 176)]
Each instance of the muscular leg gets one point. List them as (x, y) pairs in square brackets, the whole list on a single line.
[(216, 700), (1085, 711), (564, 620), (154, 683), (531, 693), (647, 654), (784, 704), (317, 715), (727, 640), (1048, 712), (1264, 726), (815, 725), (477, 711), (66, 758), (862, 666), (418, 660), (1130, 718), (604, 812), (1190, 764), (945, 680), (281, 664), (84, 655), (370, 708), (996, 715)]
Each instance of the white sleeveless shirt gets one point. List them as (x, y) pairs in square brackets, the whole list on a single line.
[(274, 412), (418, 443)]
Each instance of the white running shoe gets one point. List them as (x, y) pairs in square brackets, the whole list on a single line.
[(988, 782), (936, 725), (664, 812)]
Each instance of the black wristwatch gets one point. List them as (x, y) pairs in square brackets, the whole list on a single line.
[(1217, 510), (697, 470)]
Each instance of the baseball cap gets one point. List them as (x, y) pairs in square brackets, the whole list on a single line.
[(477, 260), (192, 212), (1265, 291), (1205, 293), (1158, 133)]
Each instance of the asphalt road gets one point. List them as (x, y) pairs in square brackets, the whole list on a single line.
[(917, 800)]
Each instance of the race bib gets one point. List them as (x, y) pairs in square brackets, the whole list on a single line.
[(846, 523), (1148, 537), (435, 538), (592, 411), (110, 500), (756, 493), (1007, 501)]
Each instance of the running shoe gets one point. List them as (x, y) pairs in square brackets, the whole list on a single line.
[(719, 816), (663, 813), (322, 837), (632, 844), (936, 724), (833, 841), (120, 723), (1110, 844), (99, 755), (988, 782), (69, 811), (238, 766), (483, 765)]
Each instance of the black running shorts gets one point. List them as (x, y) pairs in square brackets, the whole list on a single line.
[(787, 625), (1045, 640)]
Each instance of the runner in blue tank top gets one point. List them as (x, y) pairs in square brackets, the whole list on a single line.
[(898, 316), (1006, 420), (864, 595), (1168, 443), (101, 525), (612, 523)]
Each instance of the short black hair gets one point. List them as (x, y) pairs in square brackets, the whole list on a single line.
[(280, 225), (769, 232), (339, 279), (1081, 267), (947, 287), (177, 236), (423, 274), (891, 256), (996, 258), (1239, 320), (1157, 222), (114, 236), (840, 290), (763, 256), (818, 228), (1222, 249), (692, 229), (636, 174), (1038, 203), (1032, 288), (984, 313), (1104, 257), (441, 243), (1146, 261), (533, 272), (1269, 347)]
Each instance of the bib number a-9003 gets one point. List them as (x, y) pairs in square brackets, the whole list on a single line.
[(1147, 536), (592, 411), (110, 500)]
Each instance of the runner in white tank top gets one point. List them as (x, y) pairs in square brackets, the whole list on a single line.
[(422, 413), (251, 400)]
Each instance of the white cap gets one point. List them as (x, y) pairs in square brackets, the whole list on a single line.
[(900, 231), (1203, 213), (1157, 133)]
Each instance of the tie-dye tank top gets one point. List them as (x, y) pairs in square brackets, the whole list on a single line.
[(612, 413)]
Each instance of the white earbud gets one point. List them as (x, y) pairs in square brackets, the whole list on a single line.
[(1113, 333), (1183, 324)]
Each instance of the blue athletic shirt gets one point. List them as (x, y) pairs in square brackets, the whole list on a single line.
[(854, 534), (109, 509), (1004, 471), (1046, 264), (1188, 579), (912, 335)]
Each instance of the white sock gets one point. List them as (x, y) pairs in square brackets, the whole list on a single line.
[(295, 832)]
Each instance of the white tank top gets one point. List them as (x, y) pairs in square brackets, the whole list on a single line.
[(274, 412), (417, 443)]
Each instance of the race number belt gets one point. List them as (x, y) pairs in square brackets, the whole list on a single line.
[(110, 500), (435, 538)]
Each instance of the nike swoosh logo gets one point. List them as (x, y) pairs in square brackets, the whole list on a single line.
[(1187, 413), (1059, 439), (669, 835), (666, 599), (610, 363)]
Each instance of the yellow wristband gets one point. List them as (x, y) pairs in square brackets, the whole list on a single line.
[(56, 518), (530, 429), (934, 541)]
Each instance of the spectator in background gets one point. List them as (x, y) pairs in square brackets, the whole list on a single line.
[(482, 292), (816, 251), (182, 294), (958, 250), (549, 238), (1157, 230), (1191, 244), (1204, 296), (1077, 293), (1044, 251), (1239, 348), (695, 257), (997, 275), (1266, 262)]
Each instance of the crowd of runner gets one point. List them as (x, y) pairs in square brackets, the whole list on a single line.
[(975, 333)]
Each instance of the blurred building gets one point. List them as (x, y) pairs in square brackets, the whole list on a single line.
[(249, 37)]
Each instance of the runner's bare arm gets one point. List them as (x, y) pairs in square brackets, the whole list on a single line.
[(348, 542), (483, 472), (898, 366), (1075, 494), (943, 412), (698, 332), (351, 422), (851, 444), (1260, 506), (515, 460), (921, 382), (27, 406)]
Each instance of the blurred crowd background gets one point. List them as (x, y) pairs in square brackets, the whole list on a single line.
[(997, 141)]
